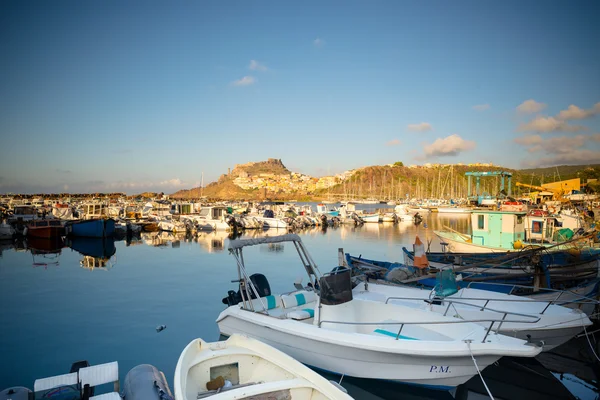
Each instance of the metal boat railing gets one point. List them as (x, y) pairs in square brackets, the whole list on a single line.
[(458, 321), (481, 308), (580, 299), (484, 307)]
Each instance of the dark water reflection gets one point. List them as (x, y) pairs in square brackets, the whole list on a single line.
[(56, 313)]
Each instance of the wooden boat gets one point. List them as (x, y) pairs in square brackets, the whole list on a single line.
[(45, 228), (241, 367)]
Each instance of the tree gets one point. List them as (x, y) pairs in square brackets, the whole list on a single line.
[(398, 164)]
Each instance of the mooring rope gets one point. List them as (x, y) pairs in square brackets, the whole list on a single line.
[(478, 371), (590, 343)]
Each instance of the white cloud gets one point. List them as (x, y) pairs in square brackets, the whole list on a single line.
[(256, 66), (319, 42), (448, 146), (530, 106), (574, 112), (549, 124), (393, 142), (422, 127), (529, 140), (175, 182), (245, 81), (560, 150), (481, 107), (571, 157)]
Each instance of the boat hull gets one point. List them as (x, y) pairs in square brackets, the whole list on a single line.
[(91, 228), (373, 218), (46, 232), (556, 324), (442, 373)]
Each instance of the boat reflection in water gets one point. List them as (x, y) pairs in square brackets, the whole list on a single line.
[(213, 241), (163, 239), (6, 245), (45, 251), (97, 252)]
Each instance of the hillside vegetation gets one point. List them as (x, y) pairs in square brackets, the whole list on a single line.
[(391, 182)]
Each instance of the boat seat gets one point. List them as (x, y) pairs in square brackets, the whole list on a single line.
[(300, 314), (298, 298), (270, 302)]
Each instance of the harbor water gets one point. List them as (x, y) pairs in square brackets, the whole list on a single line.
[(142, 300)]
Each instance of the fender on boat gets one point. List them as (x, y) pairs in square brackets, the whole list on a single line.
[(145, 382)]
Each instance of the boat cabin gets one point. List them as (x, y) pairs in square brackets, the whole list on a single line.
[(539, 228), (497, 228), (182, 208), (24, 213), (93, 210), (214, 213)]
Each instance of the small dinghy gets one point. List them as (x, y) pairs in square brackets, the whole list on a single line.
[(241, 368)]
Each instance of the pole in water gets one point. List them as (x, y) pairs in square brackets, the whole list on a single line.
[(161, 328)]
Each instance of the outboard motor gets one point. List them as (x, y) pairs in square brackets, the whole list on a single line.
[(16, 393), (261, 284), (145, 382)]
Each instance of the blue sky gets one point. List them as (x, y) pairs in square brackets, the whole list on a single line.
[(141, 95)]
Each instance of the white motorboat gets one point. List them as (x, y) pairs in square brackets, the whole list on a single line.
[(370, 218), (212, 218), (356, 337), (170, 225), (241, 368), (403, 213), (533, 320)]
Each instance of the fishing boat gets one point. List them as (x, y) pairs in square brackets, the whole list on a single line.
[(515, 279), (45, 228), (242, 367), (328, 329), (96, 227), (322, 209), (537, 321), (532, 271), (500, 231)]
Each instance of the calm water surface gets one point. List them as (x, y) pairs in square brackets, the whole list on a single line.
[(56, 310)]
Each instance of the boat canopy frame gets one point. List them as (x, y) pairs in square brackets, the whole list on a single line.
[(247, 287)]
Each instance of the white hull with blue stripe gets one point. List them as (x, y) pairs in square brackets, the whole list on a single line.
[(332, 331)]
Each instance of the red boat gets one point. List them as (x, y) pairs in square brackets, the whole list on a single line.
[(46, 228)]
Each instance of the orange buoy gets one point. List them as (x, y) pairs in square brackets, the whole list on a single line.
[(420, 260)]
